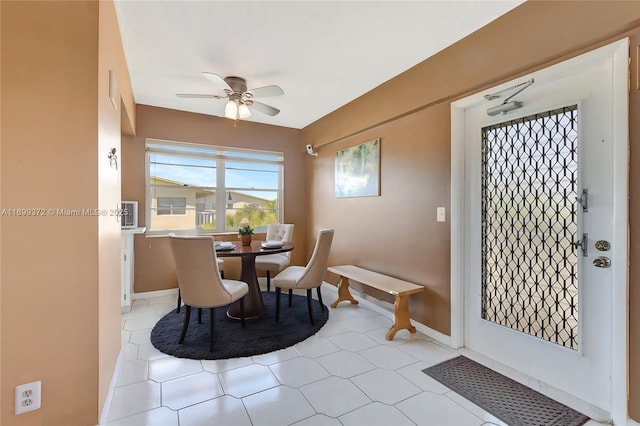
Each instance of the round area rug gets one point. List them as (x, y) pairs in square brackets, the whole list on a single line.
[(258, 336)]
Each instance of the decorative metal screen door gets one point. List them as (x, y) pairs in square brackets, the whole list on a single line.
[(533, 302), (529, 184)]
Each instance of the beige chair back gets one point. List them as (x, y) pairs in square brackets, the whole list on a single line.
[(280, 232), (317, 265), (197, 270)]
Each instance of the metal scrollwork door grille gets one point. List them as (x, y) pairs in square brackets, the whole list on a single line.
[(529, 225)]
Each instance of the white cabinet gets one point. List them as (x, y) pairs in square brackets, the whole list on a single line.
[(126, 282)]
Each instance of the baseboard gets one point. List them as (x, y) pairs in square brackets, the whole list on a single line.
[(386, 309), (112, 388), (569, 400), (157, 293)]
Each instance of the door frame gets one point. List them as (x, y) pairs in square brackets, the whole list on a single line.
[(619, 53)]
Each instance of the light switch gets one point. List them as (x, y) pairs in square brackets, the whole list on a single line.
[(441, 214)]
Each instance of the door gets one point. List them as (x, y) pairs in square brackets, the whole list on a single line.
[(541, 195)]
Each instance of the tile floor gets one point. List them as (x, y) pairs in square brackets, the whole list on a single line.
[(347, 374)]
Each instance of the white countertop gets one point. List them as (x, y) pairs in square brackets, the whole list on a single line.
[(138, 230)]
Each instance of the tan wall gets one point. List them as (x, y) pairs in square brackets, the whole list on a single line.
[(50, 264), (153, 262), (61, 274), (111, 58), (415, 177), (410, 114)]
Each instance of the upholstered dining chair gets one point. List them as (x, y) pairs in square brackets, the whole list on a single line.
[(199, 280), (220, 268), (306, 277), (278, 261)]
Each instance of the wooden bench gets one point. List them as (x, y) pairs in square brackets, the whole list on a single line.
[(399, 288)]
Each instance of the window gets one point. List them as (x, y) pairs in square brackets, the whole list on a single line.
[(207, 189), (175, 205)]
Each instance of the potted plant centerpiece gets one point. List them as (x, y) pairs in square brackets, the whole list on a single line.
[(245, 231)]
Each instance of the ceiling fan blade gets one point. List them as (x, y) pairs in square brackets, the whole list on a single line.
[(264, 108), (217, 80), (196, 95), (266, 91)]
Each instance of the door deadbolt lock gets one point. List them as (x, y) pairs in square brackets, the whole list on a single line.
[(603, 245), (602, 262)]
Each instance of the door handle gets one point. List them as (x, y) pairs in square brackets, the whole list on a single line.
[(583, 244), (602, 262)]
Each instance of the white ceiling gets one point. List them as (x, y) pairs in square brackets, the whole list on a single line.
[(323, 54)]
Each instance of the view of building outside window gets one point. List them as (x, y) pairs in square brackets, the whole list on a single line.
[(210, 189)]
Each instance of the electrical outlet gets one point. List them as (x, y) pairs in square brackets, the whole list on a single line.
[(28, 397), (441, 214)]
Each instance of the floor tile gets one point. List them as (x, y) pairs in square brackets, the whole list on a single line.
[(140, 323), (125, 335), (162, 416), (375, 414), (428, 352), (149, 353), (414, 374), (352, 341), (429, 409), (331, 328), (346, 311), (385, 386), (133, 399), (140, 336), (315, 346), (163, 369), (299, 371), (334, 396), (220, 365), (141, 302), (132, 371), (345, 364), (225, 410), (387, 357), (128, 351), (139, 311), (318, 420), (190, 390), (347, 374), (363, 325), (247, 380), (281, 405), (275, 357)]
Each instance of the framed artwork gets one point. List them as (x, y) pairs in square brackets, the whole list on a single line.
[(358, 170)]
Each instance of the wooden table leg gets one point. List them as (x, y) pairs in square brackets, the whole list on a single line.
[(344, 293), (400, 317), (253, 302)]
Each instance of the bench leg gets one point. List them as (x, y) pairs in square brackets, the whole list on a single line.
[(400, 317), (344, 293)]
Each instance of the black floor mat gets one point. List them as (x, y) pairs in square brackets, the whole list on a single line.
[(508, 400)]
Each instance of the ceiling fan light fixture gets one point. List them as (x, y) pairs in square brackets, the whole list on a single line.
[(231, 110), (243, 111)]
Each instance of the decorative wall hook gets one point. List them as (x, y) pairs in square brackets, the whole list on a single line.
[(113, 158)]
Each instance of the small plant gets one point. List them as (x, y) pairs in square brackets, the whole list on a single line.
[(245, 230)]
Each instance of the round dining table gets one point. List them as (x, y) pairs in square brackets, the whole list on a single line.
[(253, 302)]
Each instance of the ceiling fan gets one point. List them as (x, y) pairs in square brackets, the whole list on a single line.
[(240, 99)]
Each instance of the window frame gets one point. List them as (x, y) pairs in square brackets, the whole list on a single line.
[(221, 155)]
